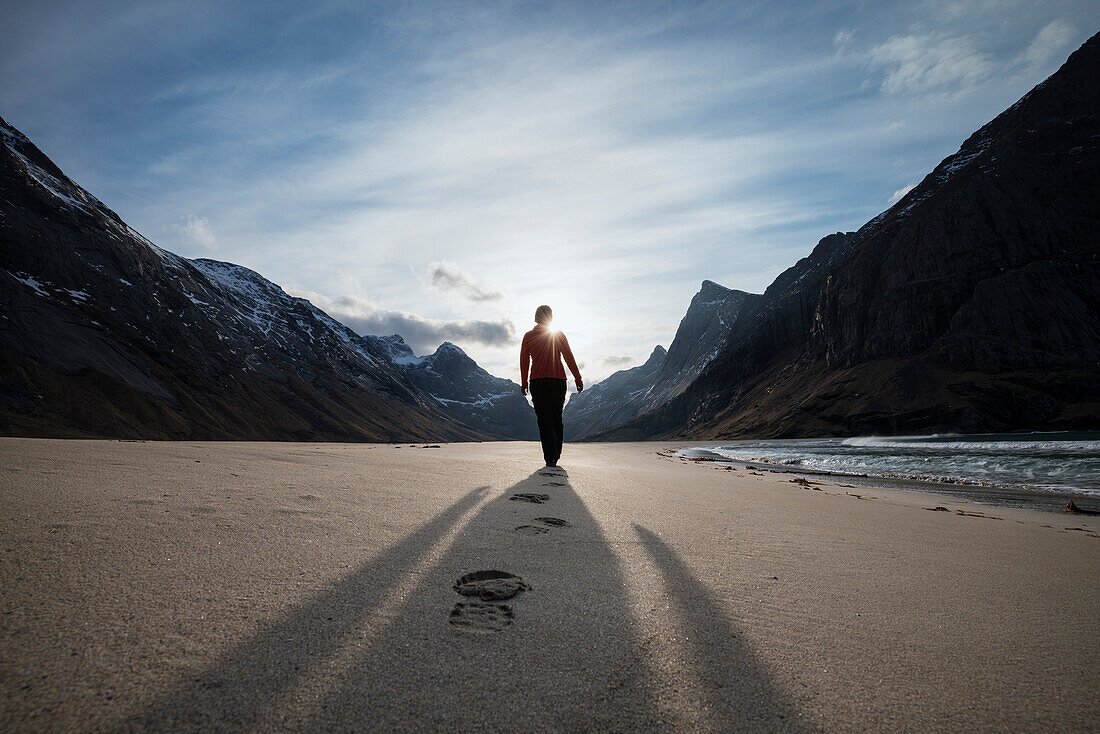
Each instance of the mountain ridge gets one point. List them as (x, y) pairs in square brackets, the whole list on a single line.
[(970, 305), (712, 317), (104, 334), (493, 405)]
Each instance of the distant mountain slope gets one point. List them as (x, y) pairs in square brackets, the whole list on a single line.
[(713, 317), (104, 334), (973, 304), (492, 405), (611, 400)]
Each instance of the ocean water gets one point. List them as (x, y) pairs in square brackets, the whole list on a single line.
[(1060, 464)]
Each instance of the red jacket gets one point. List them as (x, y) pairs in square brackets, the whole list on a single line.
[(542, 351)]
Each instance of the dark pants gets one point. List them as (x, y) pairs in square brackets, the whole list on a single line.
[(548, 395)]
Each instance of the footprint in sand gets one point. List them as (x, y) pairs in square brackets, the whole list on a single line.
[(478, 617), (541, 528), (537, 499), (490, 585), (554, 522), (554, 484), (551, 474)]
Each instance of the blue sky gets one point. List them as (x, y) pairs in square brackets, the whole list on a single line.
[(441, 169)]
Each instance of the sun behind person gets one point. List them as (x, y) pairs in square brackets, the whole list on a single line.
[(541, 354)]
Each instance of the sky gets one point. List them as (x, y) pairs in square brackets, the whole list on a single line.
[(440, 169)]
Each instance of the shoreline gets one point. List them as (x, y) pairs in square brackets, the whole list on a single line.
[(989, 494)]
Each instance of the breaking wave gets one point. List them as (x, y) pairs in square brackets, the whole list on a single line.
[(1065, 461)]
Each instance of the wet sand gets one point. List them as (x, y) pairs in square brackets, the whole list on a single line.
[(250, 586)]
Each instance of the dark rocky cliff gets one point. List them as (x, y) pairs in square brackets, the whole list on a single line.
[(104, 334), (971, 305), (714, 317)]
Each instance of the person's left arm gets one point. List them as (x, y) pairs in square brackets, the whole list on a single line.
[(570, 362)]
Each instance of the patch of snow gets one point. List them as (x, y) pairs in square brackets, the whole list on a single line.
[(193, 300), (32, 283), (408, 359), (52, 184), (481, 401)]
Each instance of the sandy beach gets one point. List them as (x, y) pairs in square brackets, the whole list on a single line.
[(253, 586)]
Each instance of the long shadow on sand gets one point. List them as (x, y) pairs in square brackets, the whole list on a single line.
[(738, 694), (242, 690), (569, 659)]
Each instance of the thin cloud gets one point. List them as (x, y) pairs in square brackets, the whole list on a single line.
[(617, 362), (900, 193), (931, 63), (422, 334), (843, 39), (1052, 41), (449, 278), (198, 231)]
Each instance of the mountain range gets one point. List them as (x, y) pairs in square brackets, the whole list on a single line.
[(493, 405), (104, 334), (972, 305)]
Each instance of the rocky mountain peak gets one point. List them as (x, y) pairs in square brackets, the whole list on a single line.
[(709, 287), (704, 330), (656, 356), (712, 317), (396, 348), (468, 392), (968, 306), (20, 144), (451, 355)]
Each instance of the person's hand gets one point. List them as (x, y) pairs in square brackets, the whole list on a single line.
[(580, 386), (523, 389)]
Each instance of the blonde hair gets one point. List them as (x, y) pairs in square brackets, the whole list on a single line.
[(543, 315)]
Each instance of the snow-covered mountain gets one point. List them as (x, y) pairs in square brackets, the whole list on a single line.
[(713, 317), (493, 405), (104, 334)]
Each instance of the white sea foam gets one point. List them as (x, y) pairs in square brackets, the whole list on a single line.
[(1062, 462)]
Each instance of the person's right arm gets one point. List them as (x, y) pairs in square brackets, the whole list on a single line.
[(524, 363)]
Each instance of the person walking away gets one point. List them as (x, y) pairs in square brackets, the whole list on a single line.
[(541, 354)]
